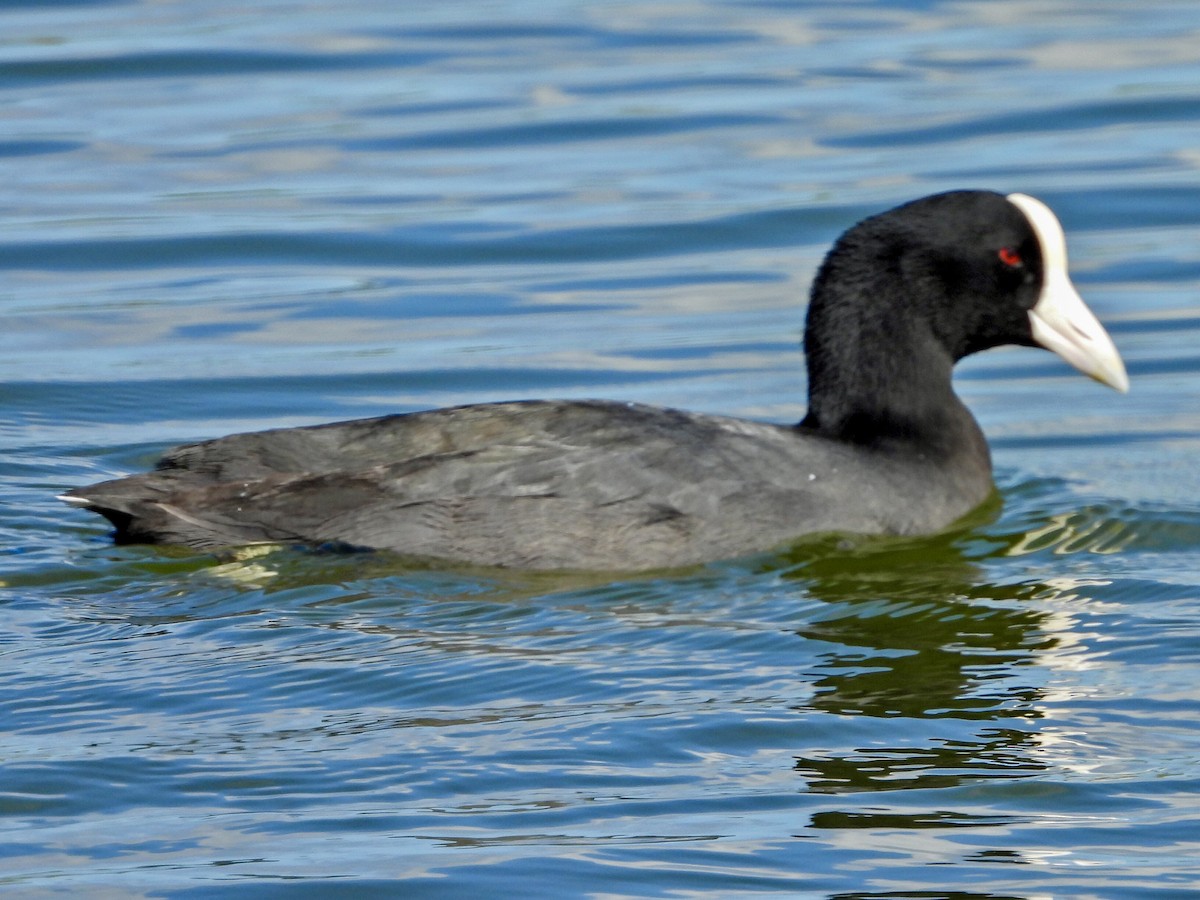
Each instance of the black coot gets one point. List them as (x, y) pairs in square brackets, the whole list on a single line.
[(886, 447)]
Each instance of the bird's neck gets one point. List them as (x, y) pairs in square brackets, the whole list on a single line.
[(897, 396)]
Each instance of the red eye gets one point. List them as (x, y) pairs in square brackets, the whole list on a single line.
[(1010, 257)]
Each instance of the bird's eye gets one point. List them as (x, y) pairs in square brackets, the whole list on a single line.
[(1010, 257)]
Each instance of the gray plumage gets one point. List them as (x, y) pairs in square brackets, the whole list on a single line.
[(537, 484)]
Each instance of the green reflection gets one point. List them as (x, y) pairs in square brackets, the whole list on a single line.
[(995, 753), (915, 633), (912, 632)]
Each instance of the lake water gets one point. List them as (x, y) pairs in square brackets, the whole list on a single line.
[(220, 217)]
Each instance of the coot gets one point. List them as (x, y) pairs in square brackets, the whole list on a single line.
[(886, 447)]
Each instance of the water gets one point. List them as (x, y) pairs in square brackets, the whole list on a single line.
[(220, 217)]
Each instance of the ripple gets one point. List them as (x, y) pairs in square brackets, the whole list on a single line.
[(1076, 116), (214, 62), (1102, 528), (417, 247)]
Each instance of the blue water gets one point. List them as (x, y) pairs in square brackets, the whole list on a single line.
[(220, 217)]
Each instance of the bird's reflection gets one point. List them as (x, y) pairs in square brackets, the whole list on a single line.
[(916, 634)]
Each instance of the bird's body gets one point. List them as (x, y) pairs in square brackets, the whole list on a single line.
[(886, 447), (541, 484)]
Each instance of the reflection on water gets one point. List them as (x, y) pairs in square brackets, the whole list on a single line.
[(990, 753), (910, 634), (1076, 532), (1108, 530)]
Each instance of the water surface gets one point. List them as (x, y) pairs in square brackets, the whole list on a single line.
[(221, 218)]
